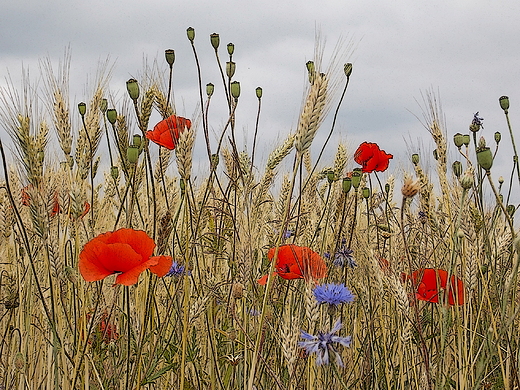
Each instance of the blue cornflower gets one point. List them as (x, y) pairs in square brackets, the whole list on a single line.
[(477, 121), (176, 270), (343, 258), (326, 255), (323, 343), (333, 294)]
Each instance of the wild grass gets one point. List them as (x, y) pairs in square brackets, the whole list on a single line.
[(211, 325)]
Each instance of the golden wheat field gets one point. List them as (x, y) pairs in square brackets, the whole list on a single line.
[(122, 268)]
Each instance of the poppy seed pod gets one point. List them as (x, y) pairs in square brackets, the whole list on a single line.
[(498, 137), (331, 177), (230, 69), (366, 192), (466, 139), (457, 168), (346, 184), (169, 54), (511, 209), (114, 172), (474, 127), (210, 88), (215, 40), (230, 48), (214, 161), (458, 139), (485, 158), (112, 115), (103, 105), (259, 92), (415, 159), (356, 178), (235, 89), (132, 154), (348, 69), (82, 108), (387, 188), (136, 140), (504, 103), (133, 89), (190, 32)]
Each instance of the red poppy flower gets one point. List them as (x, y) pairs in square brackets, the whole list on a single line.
[(125, 251), (432, 282), (371, 158), (167, 132), (296, 262)]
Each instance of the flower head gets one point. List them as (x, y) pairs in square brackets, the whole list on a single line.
[(431, 283), (323, 343), (296, 262), (344, 257), (371, 158), (167, 132), (125, 251), (333, 294), (176, 270)]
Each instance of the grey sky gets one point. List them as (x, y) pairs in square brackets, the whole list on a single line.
[(466, 50)]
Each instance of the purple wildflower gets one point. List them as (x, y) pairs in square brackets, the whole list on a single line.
[(344, 257), (323, 343), (176, 270)]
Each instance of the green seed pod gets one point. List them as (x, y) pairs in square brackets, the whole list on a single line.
[(466, 181), (132, 154), (133, 89), (82, 108), (210, 88), (190, 32), (215, 40), (474, 128), (366, 192), (230, 48), (387, 188), (504, 103), (235, 89), (415, 159), (457, 168), (331, 176), (346, 184), (230, 69), (103, 105), (498, 137), (466, 139), (485, 158), (356, 178), (458, 139), (114, 172), (348, 69), (169, 54), (136, 140), (259, 92), (112, 115), (511, 209)]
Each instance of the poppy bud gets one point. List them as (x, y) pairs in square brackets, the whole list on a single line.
[(435, 154), (210, 88), (230, 69), (511, 209), (259, 92), (458, 139), (215, 40), (501, 180), (190, 32), (133, 89), (132, 154), (348, 69), (466, 139), (457, 168), (485, 158), (103, 105), (114, 172), (415, 159), (481, 142), (136, 140), (235, 89), (356, 178), (498, 137), (467, 180), (387, 188), (346, 184), (366, 192), (504, 103), (169, 54), (112, 115), (82, 108), (230, 48)]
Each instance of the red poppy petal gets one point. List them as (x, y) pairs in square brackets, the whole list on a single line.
[(137, 239), (263, 280), (164, 263), (131, 276), (89, 266)]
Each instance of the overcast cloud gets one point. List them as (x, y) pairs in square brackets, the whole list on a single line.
[(468, 51)]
